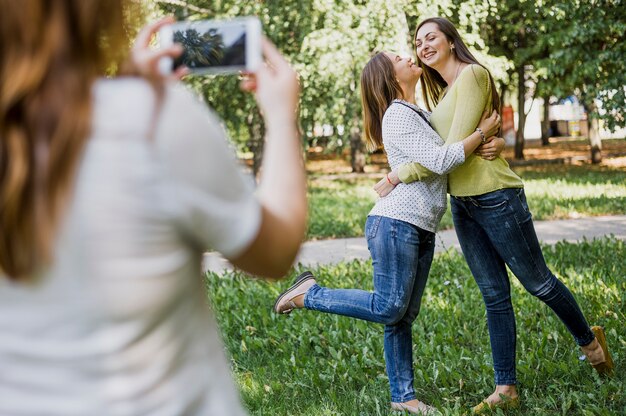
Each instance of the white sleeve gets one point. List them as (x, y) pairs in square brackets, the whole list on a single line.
[(405, 130), (214, 201)]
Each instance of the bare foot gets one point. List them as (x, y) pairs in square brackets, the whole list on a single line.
[(509, 392), (504, 397)]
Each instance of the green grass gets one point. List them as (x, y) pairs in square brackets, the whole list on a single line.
[(337, 208), (315, 364)]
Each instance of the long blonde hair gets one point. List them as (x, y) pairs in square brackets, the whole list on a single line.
[(51, 52), (379, 87)]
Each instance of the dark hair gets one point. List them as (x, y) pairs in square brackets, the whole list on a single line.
[(379, 87), (432, 82)]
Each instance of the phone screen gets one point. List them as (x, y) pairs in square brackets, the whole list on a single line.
[(210, 46)]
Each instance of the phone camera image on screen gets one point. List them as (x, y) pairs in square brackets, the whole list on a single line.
[(211, 47)]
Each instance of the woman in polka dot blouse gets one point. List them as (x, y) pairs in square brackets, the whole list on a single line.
[(400, 228)]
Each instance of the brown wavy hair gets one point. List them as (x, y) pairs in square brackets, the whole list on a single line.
[(432, 82), (51, 52), (379, 87)]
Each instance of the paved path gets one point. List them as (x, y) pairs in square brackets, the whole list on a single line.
[(334, 251)]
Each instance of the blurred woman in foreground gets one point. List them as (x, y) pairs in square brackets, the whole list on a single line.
[(110, 191)]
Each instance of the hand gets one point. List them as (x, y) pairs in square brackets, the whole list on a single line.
[(490, 124), (144, 60), (491, 149), (387, 184), (275, 85)]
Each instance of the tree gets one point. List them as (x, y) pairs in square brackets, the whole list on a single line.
[(333, 55), (283, 22), (587, 46), (511, 28), (328, 44)]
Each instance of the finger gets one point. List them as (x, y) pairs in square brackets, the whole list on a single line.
[(248, 85), (247, 76), (180, 72), (173, 51), (145, 35), (484, 115), (272, 55)]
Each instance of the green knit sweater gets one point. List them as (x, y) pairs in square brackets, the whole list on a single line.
[(456, 116)]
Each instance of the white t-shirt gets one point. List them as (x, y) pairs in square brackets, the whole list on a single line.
[(119, 323), (407, 138)]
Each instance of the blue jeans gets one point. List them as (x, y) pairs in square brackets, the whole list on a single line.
[(401, 255), (494, 230)]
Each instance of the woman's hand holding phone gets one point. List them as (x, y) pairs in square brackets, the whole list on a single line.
[(276, 87), (144, 60)]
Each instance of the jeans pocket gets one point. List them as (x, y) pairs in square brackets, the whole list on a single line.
[(371, 226), (492, 200)]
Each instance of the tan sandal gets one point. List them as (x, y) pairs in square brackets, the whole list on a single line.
[(420, 409), (285, 302), (603, 366)]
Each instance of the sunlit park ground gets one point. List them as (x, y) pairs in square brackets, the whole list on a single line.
[(314, 364), (558, 185)]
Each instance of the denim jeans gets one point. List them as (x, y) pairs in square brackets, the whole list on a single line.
[(401, 255), (494, 230)]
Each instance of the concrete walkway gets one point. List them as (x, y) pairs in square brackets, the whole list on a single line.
[(334, 251)]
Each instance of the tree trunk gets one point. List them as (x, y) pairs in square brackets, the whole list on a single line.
[(357, 155), (593, 127), (521, 113), (256, 131), (545, 123), (503, 90)]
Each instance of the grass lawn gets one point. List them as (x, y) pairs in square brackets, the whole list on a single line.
[(338, 207), (315, 364)]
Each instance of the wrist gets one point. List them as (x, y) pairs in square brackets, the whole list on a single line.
[(392, 178), (281, 126), (483, 138)]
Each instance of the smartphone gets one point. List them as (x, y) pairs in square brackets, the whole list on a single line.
[(214, 46)]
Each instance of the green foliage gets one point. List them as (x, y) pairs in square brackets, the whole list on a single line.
[(588, 58), (327, 41), (572, 191), (338, 207), (330, 41), (318, 364)]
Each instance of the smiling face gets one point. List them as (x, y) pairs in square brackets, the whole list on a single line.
[(406, 70), (432, 46)]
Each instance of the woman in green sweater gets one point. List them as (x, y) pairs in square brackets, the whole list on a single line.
[(489, 209)]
